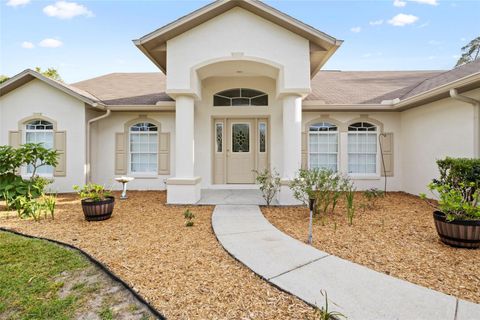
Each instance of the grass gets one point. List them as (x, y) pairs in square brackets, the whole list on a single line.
[(29, 268)]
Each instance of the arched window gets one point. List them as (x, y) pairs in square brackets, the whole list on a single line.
[(40, 131), (240, 97), (362, 148), (323, 146), (143, 149)]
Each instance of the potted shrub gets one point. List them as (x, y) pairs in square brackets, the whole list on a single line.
[(97, 203), (457, 212)]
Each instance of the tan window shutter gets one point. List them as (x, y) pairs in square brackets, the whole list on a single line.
[(14, 138), (120, 153), (304, 151), (386, 141), (164, 153), (60, 144)]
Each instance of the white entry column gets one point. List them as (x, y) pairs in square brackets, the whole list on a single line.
[(184, 188), (292, 145)]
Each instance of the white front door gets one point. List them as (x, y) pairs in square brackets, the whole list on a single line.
[(241, 149)]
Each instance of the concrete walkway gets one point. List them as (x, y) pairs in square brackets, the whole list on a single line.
[(354, 290)]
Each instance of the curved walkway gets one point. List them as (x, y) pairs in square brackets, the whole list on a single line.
[(354, 290)]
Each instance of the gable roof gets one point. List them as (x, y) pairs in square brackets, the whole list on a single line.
[(29, 75), (322, 45)]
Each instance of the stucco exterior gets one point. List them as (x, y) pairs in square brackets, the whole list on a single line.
[(239, 48), (37, 97)]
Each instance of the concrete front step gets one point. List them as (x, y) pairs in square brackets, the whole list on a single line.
[(354, 290)]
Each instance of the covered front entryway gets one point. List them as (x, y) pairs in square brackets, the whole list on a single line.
[(240, 149)]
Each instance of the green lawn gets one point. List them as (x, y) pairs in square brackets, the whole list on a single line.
[(42, 280), (28, 287)]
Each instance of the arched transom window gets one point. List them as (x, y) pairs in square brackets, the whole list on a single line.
[(40, 131), (362, 148), (240, 97), (143, 149), (323, 146)]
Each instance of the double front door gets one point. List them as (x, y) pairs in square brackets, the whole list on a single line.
[(240, 149)]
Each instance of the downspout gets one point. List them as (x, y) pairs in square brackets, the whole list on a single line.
[(476, 118), (88, 175)]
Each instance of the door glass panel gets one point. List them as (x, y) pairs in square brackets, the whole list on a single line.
[(240, 137), (262, 128), (219, 136)]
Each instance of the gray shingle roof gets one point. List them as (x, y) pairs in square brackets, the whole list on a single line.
[(330, 87)]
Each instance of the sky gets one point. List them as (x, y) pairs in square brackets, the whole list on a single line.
[(84, 39)]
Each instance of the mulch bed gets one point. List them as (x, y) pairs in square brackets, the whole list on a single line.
[(397, 237), (183, 272)]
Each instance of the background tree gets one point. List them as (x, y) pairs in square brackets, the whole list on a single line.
[(470, 52), (3, 78), (50, 72)]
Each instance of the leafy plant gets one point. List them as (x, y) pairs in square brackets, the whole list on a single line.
[(269, 184), (10, 160), (92, 192), (49, 203), (324, 313), (455, 203), (371, 196), (323, 185), (349, 190), (458, 173), (37, 156), (457, 189), (189, 216), (28, 208)]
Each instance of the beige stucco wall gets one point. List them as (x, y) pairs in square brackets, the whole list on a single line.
[(390, 121), (38, 97), (103, 149), (242, 33), (431, 132)]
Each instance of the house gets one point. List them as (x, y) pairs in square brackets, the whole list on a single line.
[(241, 89)]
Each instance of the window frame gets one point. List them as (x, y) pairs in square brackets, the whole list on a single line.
[(241, 96), (143, 174), (24, 169), (327, 133), (376, 132)]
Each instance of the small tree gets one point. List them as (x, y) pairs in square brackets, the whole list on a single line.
[(470, 52), (37, 156), (3, 78), (269, 182), (52, 73)]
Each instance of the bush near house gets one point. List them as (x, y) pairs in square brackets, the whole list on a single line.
[(457, 188), (22, 194)]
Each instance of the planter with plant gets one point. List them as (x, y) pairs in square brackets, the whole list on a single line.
[(457, 211), (97, 203)]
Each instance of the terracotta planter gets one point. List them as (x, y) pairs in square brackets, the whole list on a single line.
[(457, 233), (98, 210)]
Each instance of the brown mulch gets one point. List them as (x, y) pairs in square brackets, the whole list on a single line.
[(183, 272), (397, 237)]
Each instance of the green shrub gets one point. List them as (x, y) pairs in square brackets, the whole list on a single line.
[(92, 192), (457, 189), (323, 185), (11, 160), (269, 184), (458, 173)]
